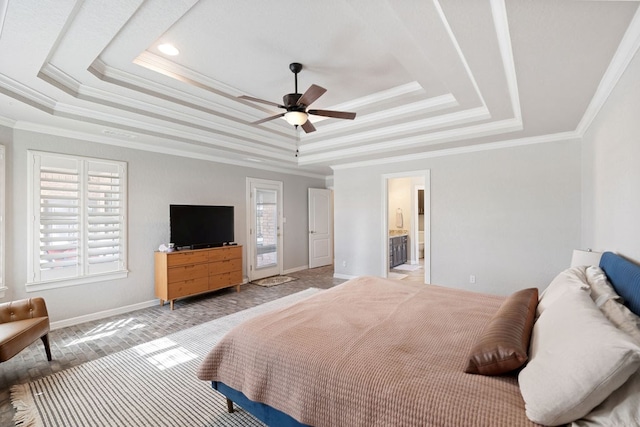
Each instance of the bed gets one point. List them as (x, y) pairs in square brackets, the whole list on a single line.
[(378, 352)]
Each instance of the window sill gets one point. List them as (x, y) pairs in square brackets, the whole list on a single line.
[(54, 284)]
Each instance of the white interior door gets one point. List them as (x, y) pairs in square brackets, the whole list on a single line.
[(320, 227), (265, 225)]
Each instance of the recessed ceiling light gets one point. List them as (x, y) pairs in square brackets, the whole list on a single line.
[(168, 49)]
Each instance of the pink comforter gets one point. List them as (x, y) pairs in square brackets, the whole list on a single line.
[(370, 352)]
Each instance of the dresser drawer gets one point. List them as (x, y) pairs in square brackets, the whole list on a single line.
[(225, 266), (219, 281), (225, 279), (188, 287), (189, 257), (231, 252), (194, 271), (235, 277)]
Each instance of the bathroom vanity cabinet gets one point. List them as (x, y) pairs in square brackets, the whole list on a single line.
[(397, 250)]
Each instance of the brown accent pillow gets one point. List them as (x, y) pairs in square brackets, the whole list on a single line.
[(504, 343)]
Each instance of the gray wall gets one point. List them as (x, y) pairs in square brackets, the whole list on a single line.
[(511, 217), (611, 171), (155, 181)]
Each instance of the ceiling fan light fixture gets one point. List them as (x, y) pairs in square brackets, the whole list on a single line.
[(296, 118)]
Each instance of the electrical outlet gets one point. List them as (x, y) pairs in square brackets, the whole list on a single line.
[(344, 263), (472, 279)]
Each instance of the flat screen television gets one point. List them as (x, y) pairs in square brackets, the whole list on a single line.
[(196, 227)]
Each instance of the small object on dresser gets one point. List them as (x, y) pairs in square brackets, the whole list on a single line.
[(169, 247)]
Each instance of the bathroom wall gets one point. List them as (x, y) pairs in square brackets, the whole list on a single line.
[(399, 205)]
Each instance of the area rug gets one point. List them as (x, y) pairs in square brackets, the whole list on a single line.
[(152, 384), (274, 280), (408, 267)]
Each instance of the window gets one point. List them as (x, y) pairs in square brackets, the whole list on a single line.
[(78, 207), (3, 288)]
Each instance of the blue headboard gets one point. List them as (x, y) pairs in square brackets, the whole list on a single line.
[(625, 278)]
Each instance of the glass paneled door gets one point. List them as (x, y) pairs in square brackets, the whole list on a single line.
[(265, 228)]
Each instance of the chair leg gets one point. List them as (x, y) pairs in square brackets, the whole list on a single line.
[(45, 341), (229, 406)]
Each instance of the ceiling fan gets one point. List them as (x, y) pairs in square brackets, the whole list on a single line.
[(296, 105)]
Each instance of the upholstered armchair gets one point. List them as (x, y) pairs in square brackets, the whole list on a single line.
[(21, 323)]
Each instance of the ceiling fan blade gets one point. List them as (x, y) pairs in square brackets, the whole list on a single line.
[(308, 127), (334, 114), (268, 119), (250, 98), (314, 92)]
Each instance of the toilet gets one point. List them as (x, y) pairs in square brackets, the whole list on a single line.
[(421, 244)]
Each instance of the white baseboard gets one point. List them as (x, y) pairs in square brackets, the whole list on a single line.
[(102, 314), (126, 309), (293, 270), (343, 276)]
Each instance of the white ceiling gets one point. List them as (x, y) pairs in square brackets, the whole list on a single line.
[(425, 77)]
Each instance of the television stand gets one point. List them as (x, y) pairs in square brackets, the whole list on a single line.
[(185, 273)]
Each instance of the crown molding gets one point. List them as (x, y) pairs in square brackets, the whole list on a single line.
[(627, 49), (3, 14), (237, 111), (160, 131), (429, 105), (454, 42), (541, 139), (139, 84), (60, 79), (501, 23), (382, 96), (7, 122), (36, 99), (395, 134), (477, 131), (24, 93), (150, 147), (160, 65), (64, 81)]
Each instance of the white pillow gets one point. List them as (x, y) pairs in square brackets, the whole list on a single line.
[(577, 358), (571, 278), (622, 408), (623, 318), (611, 304), (601, 289)]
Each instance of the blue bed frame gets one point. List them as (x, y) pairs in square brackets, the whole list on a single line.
[(265, 413), (623, 274)]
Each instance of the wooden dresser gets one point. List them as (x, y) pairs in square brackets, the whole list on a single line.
[(183, 273)]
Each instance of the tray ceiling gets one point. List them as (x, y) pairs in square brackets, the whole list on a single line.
[(425, 77)]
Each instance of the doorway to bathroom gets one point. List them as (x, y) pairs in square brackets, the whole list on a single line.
[(406, 229)]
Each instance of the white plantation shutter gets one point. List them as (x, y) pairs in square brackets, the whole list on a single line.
[(104, 217), (78, 209), (58, 217)]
